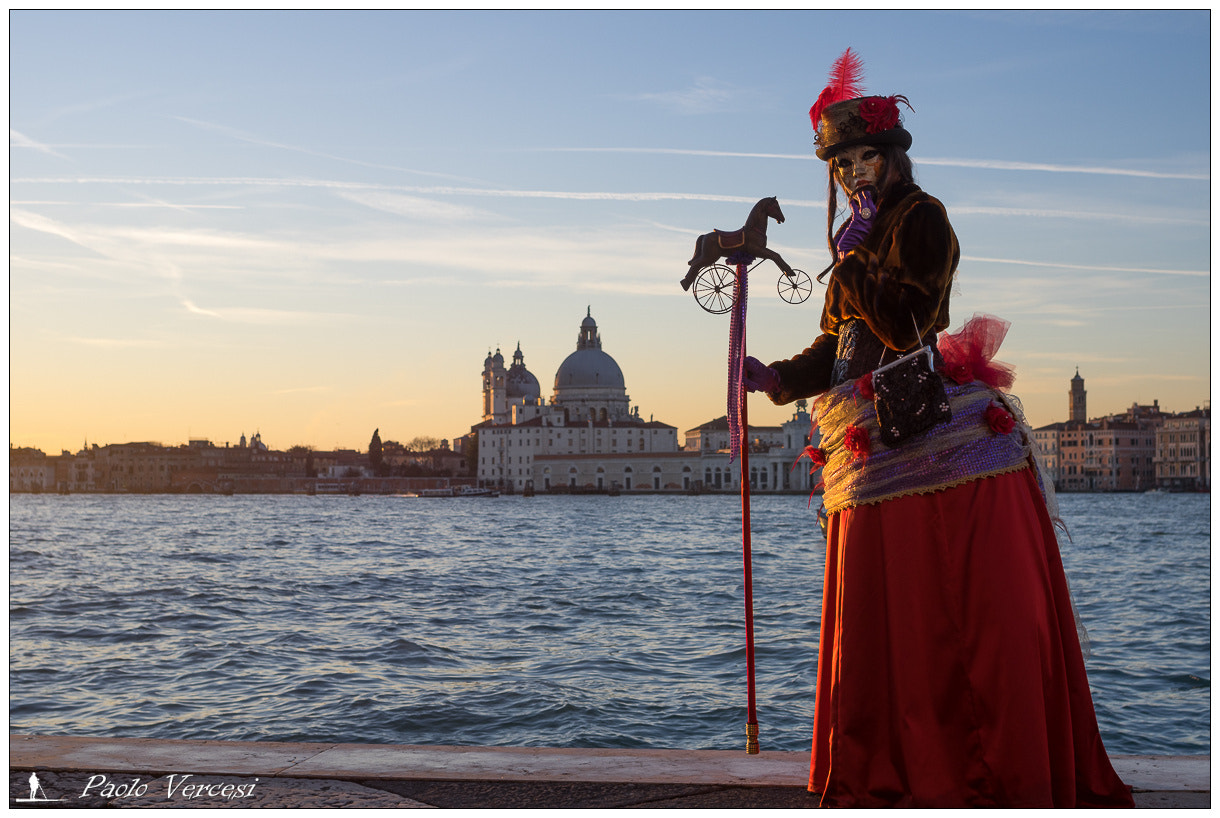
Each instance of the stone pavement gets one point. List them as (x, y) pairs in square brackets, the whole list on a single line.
[(153, 773)]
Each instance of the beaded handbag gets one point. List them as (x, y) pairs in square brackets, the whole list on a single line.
[(909, 396)]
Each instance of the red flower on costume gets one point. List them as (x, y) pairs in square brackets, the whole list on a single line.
[(999, 419), (960, 373), (881, 113), (864, 386), (816, 456), (856, 442)]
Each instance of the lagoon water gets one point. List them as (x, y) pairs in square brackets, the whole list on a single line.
[(547, 621)]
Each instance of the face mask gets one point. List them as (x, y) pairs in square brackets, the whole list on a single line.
[(857, 166)]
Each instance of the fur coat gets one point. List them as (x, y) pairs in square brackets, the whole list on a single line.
[(898, 277)]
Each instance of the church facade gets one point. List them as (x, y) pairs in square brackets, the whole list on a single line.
[(587, 436)]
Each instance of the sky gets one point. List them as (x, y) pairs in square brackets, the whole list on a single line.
[(312, 225)]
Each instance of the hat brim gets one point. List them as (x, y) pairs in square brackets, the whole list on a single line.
[(899, 136)]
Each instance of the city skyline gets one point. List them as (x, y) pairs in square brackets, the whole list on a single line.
[(316, 224), (409, 437)]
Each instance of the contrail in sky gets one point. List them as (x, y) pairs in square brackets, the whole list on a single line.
[(985, 164)]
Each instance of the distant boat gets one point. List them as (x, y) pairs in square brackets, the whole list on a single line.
[(436, 492), (472, 491)]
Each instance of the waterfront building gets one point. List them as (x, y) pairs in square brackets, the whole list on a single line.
[(1183, 446), (30, 470), (1136, 450), (589, 413), (773, 453), (588, 437), (1106, 455), (1046, 450)]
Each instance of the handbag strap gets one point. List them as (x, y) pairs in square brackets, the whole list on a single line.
[(918, 340)]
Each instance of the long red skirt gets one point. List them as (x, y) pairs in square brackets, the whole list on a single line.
[(950, 672)]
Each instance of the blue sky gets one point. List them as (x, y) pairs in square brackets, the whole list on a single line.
[(315, 224)]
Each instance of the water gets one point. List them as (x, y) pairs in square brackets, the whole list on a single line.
[(550, 621)]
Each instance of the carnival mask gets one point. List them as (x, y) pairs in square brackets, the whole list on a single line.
[(857, 166)]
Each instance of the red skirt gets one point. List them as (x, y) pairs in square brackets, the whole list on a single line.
[(950, 672)]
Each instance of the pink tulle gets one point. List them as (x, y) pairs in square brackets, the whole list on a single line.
[(968, 352)]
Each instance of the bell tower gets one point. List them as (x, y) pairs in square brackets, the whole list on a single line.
[(495, 403), (1076, 400)]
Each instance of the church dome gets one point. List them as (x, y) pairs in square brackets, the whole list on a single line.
[(520, 382), (588, 367)]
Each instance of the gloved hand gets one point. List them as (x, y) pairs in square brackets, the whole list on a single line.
[(863, 205), (759, 377)]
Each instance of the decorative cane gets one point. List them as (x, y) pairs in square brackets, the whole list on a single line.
[(708, 282), (739, 432)]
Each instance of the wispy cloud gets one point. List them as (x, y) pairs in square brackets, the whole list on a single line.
[(150, 204), (999, 164), (300, 390), (437, 190), (20, 140), (115, 343), (706, 95), (682, 152), (266, 317), (242, 136), (979, 164), (1072, 214), (415, 207), (350, 189), (1089, 267)]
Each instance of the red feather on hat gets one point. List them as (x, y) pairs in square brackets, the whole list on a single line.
[(846, 82)]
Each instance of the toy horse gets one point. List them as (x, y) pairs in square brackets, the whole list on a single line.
[(750, 240)]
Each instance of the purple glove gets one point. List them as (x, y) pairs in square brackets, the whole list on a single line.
[(760, 377), (863, 213)]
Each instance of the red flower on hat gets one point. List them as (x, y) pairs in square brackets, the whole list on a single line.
[(856, 442), (999, 419), (881, 113)]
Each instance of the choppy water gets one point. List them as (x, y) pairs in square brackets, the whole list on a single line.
[(553, 621)]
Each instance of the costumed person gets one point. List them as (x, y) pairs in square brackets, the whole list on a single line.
[(950, 671)]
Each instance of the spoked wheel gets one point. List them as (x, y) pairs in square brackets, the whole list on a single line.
[(795, 289), (713, 289)]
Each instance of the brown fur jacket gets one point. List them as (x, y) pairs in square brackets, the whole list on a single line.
[(904, 268)]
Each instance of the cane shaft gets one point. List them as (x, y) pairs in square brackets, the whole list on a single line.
[(746, 559)]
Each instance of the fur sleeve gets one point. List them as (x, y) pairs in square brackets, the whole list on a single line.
[(909, 278), (808, 373)]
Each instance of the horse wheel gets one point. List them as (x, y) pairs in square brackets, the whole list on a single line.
[(795, 290), (713, 288)]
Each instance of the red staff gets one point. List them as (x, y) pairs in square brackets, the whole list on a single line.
[(739, 433)]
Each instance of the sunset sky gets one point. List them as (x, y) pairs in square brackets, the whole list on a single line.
[(315, 224)]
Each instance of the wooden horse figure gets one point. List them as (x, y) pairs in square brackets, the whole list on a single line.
[(750, 240)]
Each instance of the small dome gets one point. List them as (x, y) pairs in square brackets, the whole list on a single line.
[(520, 382)]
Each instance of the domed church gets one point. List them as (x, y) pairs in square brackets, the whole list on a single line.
[(588, 437), (589, 384)]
